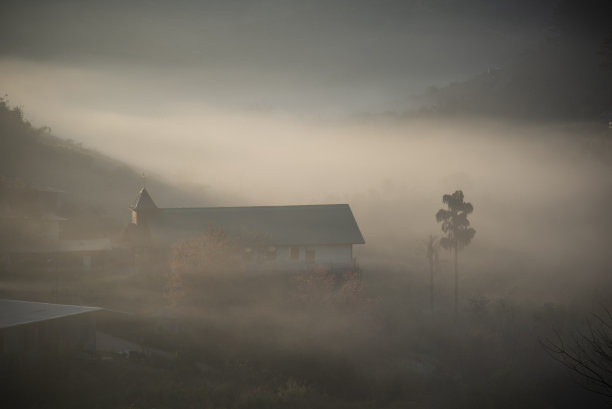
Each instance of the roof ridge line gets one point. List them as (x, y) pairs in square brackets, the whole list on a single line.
[(250, 207)]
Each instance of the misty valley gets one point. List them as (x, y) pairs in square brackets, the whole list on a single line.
[(263, 307), (320, 204)]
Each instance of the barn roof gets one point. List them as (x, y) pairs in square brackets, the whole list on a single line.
[(143, 201), (13, 313), (273, 225)]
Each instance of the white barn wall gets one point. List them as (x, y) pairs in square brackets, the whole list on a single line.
[(330, 256), (340, 253)]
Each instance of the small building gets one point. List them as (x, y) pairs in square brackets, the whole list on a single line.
[(29, 214), (272, 237), (32, 234), (34, 331), (79, 255)]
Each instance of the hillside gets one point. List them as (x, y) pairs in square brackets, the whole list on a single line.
[(98, 189), (566, 77)]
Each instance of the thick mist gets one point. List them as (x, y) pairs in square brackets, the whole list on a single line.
[(539, 189), (386, 106)]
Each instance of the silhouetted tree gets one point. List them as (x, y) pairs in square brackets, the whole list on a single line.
[(456, 226), (588, 354), (433, 259)]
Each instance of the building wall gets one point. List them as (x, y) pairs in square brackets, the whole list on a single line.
[(30, 343), (332, 254), (338, 256)]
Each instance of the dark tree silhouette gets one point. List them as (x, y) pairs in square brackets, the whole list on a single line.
[(456, 226), (588, 354)]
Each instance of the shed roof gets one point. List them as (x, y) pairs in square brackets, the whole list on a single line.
[(274, 225), (13, 313)]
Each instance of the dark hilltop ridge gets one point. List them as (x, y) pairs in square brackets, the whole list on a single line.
[(568, 76)]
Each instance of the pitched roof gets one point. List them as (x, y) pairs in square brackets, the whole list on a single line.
[(143, 201), (13, 313), (274, 225)]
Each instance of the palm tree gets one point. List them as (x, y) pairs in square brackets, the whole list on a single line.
[(456, 226)]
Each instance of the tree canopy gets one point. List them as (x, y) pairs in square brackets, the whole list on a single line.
[(455, 222)]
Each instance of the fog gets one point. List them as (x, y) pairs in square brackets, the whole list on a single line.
[(385, 106), (539, 189)]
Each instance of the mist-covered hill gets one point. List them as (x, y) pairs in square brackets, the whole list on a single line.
[(568, 76), (98, 189)]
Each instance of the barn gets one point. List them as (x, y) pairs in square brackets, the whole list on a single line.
[(272, 237)]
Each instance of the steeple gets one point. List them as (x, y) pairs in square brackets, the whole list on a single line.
[(143, 208), (143, 201)]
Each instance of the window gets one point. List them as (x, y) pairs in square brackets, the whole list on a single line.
[(310, 256), (294, 253)]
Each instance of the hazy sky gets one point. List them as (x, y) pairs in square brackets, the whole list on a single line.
[(299, 56), (210, 76)]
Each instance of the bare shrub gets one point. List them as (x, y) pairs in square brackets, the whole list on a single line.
[(213, 254), (587, 354)]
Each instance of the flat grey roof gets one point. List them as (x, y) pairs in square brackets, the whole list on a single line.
[(274, 225), (13, 313)]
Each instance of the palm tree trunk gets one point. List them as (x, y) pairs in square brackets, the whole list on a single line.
[(431, 284), (456, 285)]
